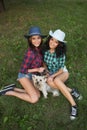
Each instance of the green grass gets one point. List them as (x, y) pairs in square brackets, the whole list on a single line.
[(52, 113)]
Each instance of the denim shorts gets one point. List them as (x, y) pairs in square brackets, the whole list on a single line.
[(21, 75)]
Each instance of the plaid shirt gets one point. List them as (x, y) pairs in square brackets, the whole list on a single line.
[(53, 63), (32, 59)]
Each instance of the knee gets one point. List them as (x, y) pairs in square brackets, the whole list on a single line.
[(56, 80), (49, 82), (35, 99), (67, 74)]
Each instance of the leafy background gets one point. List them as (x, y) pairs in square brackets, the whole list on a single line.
[(52, 113)]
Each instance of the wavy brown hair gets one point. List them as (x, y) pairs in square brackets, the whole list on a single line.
[(31, 45), (60, 50)]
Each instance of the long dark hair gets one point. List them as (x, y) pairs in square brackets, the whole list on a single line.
[(60, 50), (32, 46)]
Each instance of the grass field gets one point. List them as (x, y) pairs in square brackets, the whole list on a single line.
[(52, 113)]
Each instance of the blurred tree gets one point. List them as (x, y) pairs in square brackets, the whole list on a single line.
[(2, 5)]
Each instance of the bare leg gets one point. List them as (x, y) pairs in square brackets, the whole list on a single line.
[(63, 77), (62, 87), (29, 93), (19, 90), (58, 83)]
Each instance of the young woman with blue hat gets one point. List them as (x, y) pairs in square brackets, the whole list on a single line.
[(32, 63), (54, 58)]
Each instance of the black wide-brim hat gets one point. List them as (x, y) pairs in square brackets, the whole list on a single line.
[(34, 31)]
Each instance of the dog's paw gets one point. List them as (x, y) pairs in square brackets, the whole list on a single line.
[(56, 93), (45, 96)]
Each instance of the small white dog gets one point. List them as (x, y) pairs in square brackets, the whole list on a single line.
[(40, 83)]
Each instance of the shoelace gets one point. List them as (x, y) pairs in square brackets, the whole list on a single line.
[(74, 111), (75, 94)]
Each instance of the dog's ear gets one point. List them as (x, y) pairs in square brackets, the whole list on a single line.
[(33, 77), (45, 78)]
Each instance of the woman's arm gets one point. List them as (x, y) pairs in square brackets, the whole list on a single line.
[(41, 69), (60, 71)]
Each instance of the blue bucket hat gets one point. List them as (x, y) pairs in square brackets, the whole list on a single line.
[(34, 31)]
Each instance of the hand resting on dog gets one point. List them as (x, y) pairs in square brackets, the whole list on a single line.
[(40, 83)]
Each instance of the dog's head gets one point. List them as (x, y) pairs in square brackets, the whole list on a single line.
[(38, 80)]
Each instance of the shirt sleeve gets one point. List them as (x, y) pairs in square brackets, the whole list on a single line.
[(62, 62), (27, 61)]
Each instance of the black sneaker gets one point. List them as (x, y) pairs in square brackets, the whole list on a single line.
[(73, 114), (76, 94), (7, 88), (10, 86)]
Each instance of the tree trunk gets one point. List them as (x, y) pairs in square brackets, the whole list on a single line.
[(2, 6)]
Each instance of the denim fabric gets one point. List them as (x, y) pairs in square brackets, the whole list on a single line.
[(21, 75)]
